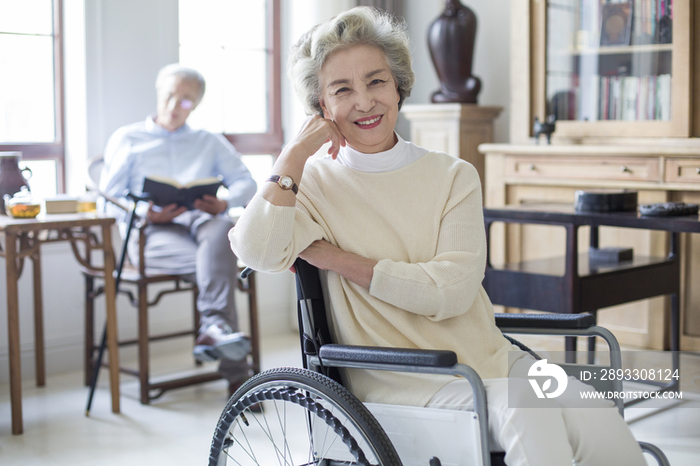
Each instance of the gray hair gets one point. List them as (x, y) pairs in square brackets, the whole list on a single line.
[(182, 72), (358, 26)]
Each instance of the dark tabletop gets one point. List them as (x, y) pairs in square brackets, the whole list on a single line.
[(561, 214)]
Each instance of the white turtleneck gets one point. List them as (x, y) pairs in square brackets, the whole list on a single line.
[(401, 155)]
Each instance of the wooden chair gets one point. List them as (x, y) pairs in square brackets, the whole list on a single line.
[(135, 284)]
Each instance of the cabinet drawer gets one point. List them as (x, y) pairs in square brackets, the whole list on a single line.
[(596, 168), (682, 171)]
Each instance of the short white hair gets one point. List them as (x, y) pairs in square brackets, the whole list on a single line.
[(182, 72), (358, 26)]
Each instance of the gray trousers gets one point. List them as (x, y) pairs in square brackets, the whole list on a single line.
[(198, 245)]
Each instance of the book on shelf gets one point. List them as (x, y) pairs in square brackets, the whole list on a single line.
[(165, 191), (615, 110), (664, 90), (630, 98), (588, 98)]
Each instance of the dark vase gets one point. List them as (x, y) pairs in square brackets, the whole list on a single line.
[(451, 43), (11, 179)]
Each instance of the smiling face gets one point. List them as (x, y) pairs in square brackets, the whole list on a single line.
[(359, 93), (177, 97)]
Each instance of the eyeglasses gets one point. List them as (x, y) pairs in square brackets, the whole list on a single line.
[(185, 104)]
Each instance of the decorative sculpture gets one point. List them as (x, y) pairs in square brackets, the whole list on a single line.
[(451, 43), (547, 128)]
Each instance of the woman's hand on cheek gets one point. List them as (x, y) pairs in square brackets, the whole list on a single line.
[(316, 131)]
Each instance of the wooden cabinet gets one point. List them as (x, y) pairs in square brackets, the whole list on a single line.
[(639, 85), (605, 137), (628, 116)]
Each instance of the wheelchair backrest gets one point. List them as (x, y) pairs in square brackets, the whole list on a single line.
[(313, 321)]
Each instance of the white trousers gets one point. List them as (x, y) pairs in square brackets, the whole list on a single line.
[(562, 434)]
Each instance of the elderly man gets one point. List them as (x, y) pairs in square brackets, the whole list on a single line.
[(180, 240)]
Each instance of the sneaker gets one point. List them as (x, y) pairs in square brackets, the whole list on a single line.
[(220, 342)]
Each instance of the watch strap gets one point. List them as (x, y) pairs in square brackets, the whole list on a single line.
[(277, 178)]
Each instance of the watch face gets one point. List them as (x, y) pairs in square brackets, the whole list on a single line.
[(286, 182)]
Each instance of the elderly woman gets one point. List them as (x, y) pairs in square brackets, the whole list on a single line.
[(400, 233)]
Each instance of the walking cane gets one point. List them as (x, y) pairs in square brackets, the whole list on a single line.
[(117, 279)]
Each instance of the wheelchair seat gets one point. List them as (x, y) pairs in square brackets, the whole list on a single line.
[(336, 428)]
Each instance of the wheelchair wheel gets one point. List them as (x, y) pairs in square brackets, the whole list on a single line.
[(306, 419)]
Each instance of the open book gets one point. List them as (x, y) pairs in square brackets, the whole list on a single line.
[(165, 191)]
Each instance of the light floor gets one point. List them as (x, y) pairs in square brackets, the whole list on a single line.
[(177, 429)]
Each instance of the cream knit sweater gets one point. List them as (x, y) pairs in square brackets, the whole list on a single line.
[(424, 224)]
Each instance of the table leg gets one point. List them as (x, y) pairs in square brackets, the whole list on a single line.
[(594, 243), (572, 284), (111, 305), (591, 343), (40, 361), (676, 331), (13, 332), (676, 312)]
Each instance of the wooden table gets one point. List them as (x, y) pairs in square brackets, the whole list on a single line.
[(572, 283), (23, 238)]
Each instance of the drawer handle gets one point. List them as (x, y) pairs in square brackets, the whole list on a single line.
[(532, 167), (624, 169)]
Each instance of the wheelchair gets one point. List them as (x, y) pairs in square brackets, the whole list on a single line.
[(295, 416)]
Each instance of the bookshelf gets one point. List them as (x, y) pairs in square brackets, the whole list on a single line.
[(634, 80)]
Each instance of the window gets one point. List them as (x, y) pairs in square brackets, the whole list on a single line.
[(236, 46), (31, 104)]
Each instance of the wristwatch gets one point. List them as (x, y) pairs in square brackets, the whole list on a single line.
[(285, 182)]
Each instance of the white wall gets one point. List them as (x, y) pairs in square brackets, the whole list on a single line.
[(114, 49)]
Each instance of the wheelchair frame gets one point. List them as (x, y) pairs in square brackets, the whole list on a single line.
[(323, 357)]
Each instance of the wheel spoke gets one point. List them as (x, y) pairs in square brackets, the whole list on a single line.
[(250, 451), (282, 421), (328, 413), (268, 433)]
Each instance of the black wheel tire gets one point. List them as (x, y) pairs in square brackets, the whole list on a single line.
[(326, 406)]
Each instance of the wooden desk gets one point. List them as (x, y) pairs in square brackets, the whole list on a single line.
[(23, 238), (573, 284)]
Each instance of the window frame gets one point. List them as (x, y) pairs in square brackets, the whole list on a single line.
[(271, 141), (51, 150)]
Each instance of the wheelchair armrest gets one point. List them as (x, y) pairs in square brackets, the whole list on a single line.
[(545, 321), (397, 356)]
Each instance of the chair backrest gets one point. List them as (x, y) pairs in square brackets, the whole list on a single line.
[(94, 171), (311, 312)]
